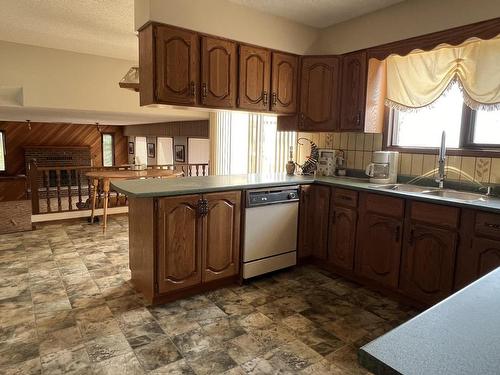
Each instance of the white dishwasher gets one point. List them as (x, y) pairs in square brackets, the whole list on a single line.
[(270, 230)]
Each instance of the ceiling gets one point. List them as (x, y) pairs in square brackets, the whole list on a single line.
[(317, 13), (98, 27), (106, 27), (91, 117)]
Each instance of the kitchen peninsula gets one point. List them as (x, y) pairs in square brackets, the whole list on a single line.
[(185, 234)]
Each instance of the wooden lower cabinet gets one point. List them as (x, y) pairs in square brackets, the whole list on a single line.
[(479, 250), (197, 246), (342, 235), (486, 256), (318, 230), (428, 263), (304, 248), (378, 252), (221, 236), (179, 243), (313, 221)]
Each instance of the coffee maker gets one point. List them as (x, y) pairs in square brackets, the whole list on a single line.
[(384, 167)]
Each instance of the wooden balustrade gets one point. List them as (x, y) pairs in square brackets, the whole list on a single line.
[(63, 189)]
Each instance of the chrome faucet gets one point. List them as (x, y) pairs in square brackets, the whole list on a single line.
[(442, 161)]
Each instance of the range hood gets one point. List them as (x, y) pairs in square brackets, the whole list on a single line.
[(131, 79)]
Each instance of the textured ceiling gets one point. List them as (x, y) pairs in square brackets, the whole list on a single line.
[(91, 117), (317, 13), (99, 27)]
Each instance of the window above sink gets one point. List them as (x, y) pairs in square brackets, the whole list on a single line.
[(466, 129)]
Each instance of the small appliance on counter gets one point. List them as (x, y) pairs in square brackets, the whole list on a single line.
[(341, 164), (384, 167), (326, 162)]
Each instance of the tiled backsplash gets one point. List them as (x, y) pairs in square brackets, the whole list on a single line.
[(358, 149)]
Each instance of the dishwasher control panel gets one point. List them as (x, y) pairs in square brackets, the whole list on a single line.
[(272, 196)]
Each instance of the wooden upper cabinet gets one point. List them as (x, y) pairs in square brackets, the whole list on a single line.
[(428, 263), (284, 83), (221, 234), (176, 65), (179, 243), (255, 78), (218, 72), (319, 93), (353, 93)]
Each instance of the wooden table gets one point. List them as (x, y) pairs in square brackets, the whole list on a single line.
[(107, 176)]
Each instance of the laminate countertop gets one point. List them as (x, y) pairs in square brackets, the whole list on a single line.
[(459, 336), (150, 188)]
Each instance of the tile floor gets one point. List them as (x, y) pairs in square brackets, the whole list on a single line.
[(66, 307)]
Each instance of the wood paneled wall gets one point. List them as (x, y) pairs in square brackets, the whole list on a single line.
[(197, 128), (18, 135)]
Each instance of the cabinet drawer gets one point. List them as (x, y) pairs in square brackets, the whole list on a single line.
[(436, 214), (382, 204), (487, 224), (345, 197)]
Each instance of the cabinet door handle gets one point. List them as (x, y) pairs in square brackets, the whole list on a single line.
[(492, 226), (192, 89), (301, 120), (358, 118), (202, 207), (345, 197), (398, 233), (204, 90), (274, 99), (410, 240), (264, 96)]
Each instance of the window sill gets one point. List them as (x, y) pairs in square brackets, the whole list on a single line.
[(485, 153)]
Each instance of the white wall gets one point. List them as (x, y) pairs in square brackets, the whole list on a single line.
[(230, 20), (66, 80), (401, 21)]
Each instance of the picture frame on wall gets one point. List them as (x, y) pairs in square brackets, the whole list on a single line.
[(151, 150), (180, 153), (131, 148)]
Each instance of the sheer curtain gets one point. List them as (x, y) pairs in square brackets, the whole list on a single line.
[(243, 143)]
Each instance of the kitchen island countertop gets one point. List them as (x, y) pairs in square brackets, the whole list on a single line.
[(151, 188), (460, 336)]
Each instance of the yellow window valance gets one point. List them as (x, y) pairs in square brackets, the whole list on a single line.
[(419, 78)]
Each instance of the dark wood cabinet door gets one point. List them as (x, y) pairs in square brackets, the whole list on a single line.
[(318, 230), (179, 243), (284, 75), (481, 256), (428, 263), (342, 237), (354, 74), (218, 72), (177, 65), (487, 256), (255, 78), (319, 93), (221, 235), (378, 254), (305, 217)]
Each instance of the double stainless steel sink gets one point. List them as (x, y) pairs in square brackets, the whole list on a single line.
[(443, 193)]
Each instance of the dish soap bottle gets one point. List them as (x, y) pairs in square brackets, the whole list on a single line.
[(290, 166)]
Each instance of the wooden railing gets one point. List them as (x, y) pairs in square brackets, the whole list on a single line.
[(64, 189)]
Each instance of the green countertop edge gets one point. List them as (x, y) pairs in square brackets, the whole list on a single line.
[(209, 184)]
